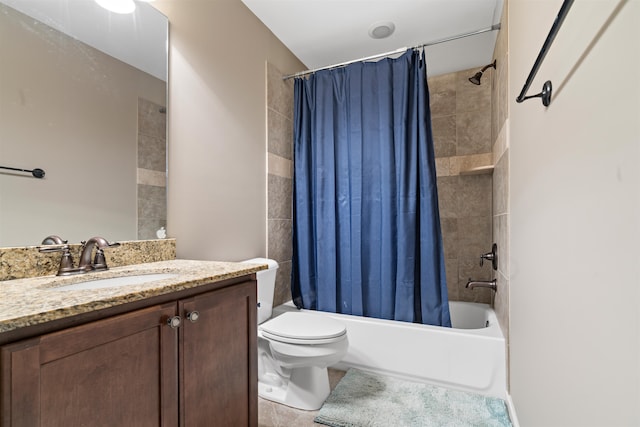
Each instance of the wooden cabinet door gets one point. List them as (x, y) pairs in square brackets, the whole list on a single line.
[(120, 371), (218, 358)]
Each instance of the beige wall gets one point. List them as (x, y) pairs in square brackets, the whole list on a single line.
[(575, 216), (217, 127), (72, 111)]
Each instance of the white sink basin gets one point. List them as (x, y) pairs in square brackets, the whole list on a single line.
[(116, 282)]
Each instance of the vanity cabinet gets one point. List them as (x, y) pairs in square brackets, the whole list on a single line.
[(218, 359), (136, 369)]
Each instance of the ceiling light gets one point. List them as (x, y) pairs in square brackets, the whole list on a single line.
[(118, 6), (381, 30)]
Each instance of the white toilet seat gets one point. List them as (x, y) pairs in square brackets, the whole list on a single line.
[(303, 328)]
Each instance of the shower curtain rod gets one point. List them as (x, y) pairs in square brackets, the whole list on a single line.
[(402, 49)]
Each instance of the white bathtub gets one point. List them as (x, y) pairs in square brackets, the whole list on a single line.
[(470, 356)]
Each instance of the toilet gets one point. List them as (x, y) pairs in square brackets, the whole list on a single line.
[(294, 349)]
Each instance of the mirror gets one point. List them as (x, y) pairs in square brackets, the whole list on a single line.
[(82, 97)]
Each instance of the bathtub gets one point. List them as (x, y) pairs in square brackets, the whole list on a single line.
[(470, 356)]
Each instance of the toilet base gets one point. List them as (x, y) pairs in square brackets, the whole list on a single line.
[(306, 388)]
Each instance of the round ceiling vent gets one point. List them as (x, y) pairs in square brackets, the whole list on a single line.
[(381, 30)]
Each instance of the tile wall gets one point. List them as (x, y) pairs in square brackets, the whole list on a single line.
[(280, 178), (499, 136), (461, 123), (152, 168)]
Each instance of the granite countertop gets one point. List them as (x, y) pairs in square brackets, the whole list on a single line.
[(26, 302)]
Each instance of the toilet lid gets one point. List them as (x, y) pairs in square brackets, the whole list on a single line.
[(296, 327)]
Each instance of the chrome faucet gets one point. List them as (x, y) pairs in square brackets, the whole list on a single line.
[(99, 262), (491, 284)]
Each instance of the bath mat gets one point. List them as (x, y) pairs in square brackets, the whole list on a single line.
[(363, 399)]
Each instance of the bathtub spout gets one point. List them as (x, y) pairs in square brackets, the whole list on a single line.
[(482, 284)]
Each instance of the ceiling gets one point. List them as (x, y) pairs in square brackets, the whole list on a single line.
[(139, 39), (327, 32)]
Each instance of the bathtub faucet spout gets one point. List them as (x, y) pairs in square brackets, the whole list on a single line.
[(491, 284)]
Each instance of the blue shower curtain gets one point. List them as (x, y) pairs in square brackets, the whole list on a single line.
[(366, 228)]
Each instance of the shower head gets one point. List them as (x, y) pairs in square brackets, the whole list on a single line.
[(476, 77)]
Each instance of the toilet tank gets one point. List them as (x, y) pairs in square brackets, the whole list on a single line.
[(266, 286)]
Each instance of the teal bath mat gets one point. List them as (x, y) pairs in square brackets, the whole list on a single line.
[(363, 399)]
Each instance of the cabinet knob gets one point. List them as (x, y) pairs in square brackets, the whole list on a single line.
[(174, 322), (193, 316)]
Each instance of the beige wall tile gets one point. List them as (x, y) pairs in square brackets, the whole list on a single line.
[(280, 197), (280, 238), (280, 179), (451, 268), (448, 196), (461, 164), (501, 238), (442, 166), (152, 121), (152, 177), (461, 123), (152, 152), (442, 103), (444, 136), (474, 236), (279, 92), (279, 134), (500, 190), (280, 166), (282, 292), (152, 200), (500, 144), (449, 228), (501, 185), (442, 83), (473, 131), (470, 97), (474, 194)]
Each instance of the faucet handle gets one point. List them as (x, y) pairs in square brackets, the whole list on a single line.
[(53, 248), (66, 262), (101, 243), (99, 262), (491, 256), (53, 240)]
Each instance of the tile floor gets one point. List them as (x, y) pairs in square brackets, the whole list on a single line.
[(272, 414)]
